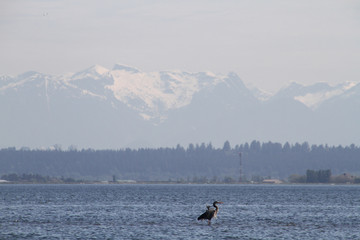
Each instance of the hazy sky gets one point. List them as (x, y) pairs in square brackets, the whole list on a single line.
[(267, 43)]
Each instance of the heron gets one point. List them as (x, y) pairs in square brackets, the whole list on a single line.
[(210, 212)]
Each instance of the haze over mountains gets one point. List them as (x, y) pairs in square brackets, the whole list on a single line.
[(125, 107)]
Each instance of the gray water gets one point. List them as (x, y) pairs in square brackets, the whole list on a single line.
[(170, 212)]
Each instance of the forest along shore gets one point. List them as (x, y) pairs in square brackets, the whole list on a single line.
[(200, 163)]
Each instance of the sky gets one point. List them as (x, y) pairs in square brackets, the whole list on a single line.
[(268, 43)]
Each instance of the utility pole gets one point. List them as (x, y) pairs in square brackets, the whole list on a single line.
[(240, 170)]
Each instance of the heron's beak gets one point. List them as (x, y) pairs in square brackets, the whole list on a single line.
[(220, 202)]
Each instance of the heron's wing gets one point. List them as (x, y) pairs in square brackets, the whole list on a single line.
[(204, 216), (207, 215)]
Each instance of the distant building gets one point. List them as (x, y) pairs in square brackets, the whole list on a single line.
[(126, 181), (272, 181), (348, 176), (344, 178)]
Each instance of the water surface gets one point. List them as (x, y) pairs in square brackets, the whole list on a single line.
[(170, 212)]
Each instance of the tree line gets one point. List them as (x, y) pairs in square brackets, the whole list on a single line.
[(36, 178), (196, 161), (323, 176)]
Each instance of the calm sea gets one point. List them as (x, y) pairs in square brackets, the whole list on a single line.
[(170, 212)]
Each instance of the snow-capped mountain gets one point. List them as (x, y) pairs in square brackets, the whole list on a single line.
[(153, 94), (314, 95), (124, 106)]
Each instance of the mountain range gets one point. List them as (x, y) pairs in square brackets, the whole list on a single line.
[(126, 107)]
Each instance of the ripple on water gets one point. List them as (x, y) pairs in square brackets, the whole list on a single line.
[(170, 211)]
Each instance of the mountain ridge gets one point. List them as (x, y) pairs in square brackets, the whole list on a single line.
[(169, 107)]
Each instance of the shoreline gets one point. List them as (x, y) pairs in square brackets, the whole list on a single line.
[(167, 183)]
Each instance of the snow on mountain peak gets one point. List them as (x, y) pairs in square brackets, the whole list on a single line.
[(95, 72), (261, 94), (349, 85), (123, 67), (154, 92), (315, 98), (23, 79), (99, 69)]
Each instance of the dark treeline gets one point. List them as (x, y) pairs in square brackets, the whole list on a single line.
[(196, 162), (323, 176), (320, 176), (35, 178)]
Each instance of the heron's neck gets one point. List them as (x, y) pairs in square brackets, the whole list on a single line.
[(216, 207)]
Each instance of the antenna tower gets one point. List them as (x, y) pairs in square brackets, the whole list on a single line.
[(240, 170)]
